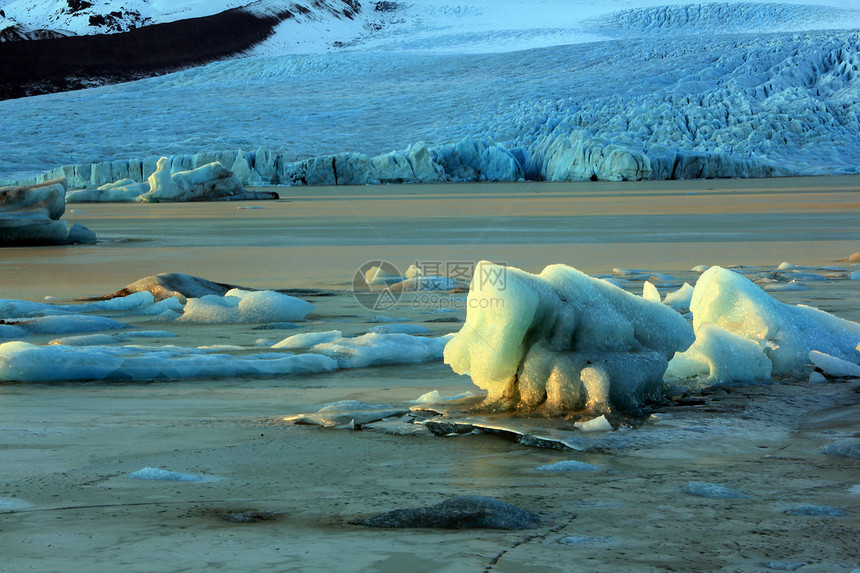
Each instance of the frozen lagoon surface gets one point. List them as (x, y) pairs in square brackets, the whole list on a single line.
[(774, 84), (67, 448)]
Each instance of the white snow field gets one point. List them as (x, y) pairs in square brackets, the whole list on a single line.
[(562, 91)]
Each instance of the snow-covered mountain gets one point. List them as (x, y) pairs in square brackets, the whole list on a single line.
[(438, 25), (88, 17), (559, 89)]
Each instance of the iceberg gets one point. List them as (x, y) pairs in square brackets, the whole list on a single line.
[(785, 334), (562, 341), (58, 324), (30, 215), (720, 357)]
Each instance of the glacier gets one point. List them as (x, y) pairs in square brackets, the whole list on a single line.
[(691, 102)]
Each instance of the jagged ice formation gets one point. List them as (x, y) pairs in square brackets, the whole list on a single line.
[(697, 106)]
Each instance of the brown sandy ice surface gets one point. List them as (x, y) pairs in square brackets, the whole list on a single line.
[(66, 449)]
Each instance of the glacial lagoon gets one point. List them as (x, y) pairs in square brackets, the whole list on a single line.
[(73, 452)]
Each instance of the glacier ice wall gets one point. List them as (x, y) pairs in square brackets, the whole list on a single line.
[(723, 17), (657, 107)]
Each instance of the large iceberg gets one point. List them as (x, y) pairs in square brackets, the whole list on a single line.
[(562, 341), (30, 215), (784, 333)]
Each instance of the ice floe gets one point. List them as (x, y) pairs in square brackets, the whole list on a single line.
[(308, 339), (679, 299), (413, 329), (461, 512), (60, 324), (720, 357), (843, 449), (598, 424), (834, 366), (13, 504), (575, 540), (784, 565), (387, 319), (158, 474), (816, 511), (382, 349), (569, 466), (434, 397), (24, 362), (713, 490), (239, 305), (106, 339), (348, 413)]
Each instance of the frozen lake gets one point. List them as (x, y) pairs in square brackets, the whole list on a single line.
[(67, 449), (318, 237)]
